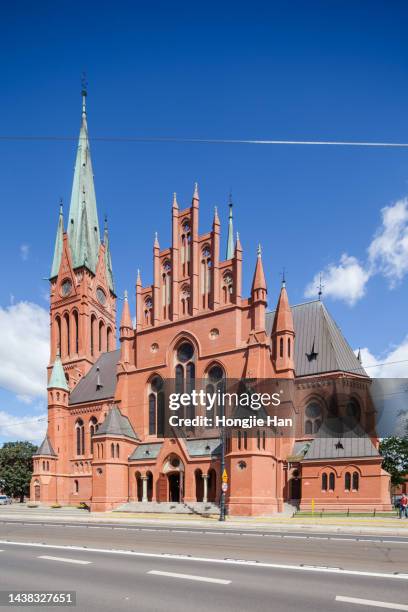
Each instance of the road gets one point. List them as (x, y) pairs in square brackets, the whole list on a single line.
[(139, 567)]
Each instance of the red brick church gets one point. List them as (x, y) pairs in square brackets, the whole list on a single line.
[(105, 444)]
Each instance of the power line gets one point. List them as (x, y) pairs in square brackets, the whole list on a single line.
[(182, 140)]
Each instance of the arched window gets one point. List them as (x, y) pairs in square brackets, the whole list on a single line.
[(80, 437), (185, 372), (76, 486), (205, 276), (93, 330), (185, 300), (324, 481), (166, 289), (281, 347), (117, 451), (313, 415), (354, 410), (156, 407), (239, 440), (185, 248), (331, 481), (108, 339), (148, 310), (76, 331), (216, 382), (289, 348), (263, 439), (355, 481), (258, 439), (347, 481), (58, 325), (67, 335), (101, 336), (93, 426), (227, 288), (245, 440), (112, 450)]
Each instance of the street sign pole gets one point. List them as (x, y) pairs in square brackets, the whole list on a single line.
[(222, 498)]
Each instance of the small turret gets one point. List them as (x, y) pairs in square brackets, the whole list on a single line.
[(57, 378), (258, 295), (230, 237), (283, 335)]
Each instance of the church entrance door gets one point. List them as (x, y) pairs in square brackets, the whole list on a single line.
[(174, 487)]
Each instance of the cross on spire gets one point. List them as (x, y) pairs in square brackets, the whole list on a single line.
[(320, 288)]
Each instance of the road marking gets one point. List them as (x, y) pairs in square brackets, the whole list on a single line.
[(372, 603), (189, 577), (65, 559), (133, 553)]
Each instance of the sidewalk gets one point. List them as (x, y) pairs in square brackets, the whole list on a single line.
[(369, 525)]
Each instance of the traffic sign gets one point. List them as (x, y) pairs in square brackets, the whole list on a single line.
[(224, 476), (224, 487)]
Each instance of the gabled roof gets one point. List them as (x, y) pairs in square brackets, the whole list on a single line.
[(319, 343), (46, 448), (338, 439), (204, 447), (116, 424), (100, 381)]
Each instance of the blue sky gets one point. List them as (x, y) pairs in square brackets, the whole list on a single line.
[(287, 70)]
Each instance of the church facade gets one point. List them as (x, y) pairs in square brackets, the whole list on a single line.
[(105, 444)]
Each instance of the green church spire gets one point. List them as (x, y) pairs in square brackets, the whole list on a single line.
[(108, 258), (56, 261), (83, 241), (57, 379), (230, 238)]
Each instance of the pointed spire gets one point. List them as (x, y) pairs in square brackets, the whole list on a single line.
[(126, 320), (216, 220), (156, 241), (57, 379), (259, 281), (138, 278), (283, 321), (83, 192), (108, 257), (175, 204), (196, 197), (56, 261), (238, 246), (359, 358), (230, 237)]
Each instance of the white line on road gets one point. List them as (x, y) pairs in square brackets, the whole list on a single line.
[(65, 559), (372, 603), (134, 553), (189, 577)]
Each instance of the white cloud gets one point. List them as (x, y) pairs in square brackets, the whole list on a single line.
[(388, 252), (22, 428), (345, 281), (394, 364), (24, 349), (24, 251)]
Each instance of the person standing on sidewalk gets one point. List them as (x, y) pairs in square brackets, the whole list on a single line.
[(403, 506)]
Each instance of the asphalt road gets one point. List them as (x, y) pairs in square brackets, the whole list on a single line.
[(200, 569)]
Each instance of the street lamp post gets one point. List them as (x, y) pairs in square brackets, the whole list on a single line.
[(222, 498)]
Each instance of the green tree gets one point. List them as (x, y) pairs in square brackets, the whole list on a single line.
[(16, 468), (395, 458)]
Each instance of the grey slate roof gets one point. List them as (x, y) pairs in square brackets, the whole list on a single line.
[(204, 447), (336, 440), (116, 424), (146, 451), (46, 448), (314, 326), (87, 389)]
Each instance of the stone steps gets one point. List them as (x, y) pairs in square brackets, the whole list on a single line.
[(202, 508)]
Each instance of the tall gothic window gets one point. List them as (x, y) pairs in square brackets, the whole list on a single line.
[(185, 249), (67, 335), (156, 407), (101, 336), (148, 309), (108, 339), (166, 289), (93, 427), (185, 371), (227, 288), (80, 437), (185, 300), (93, 330), (205, 276), (58, 324), (76, 332), (331, 481), (347, 481), (324, 481), (216, 382), (356, 480)]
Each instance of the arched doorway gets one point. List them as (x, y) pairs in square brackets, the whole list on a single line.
[(212, 485), (295, 488), (174, 486), (149, 486), (37, 491), (199, 485), (139, 487)]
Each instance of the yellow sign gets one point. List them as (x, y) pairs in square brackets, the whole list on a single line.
[(224, 476), (313, 506)]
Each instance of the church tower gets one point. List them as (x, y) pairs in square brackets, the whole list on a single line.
[(83, 300)]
